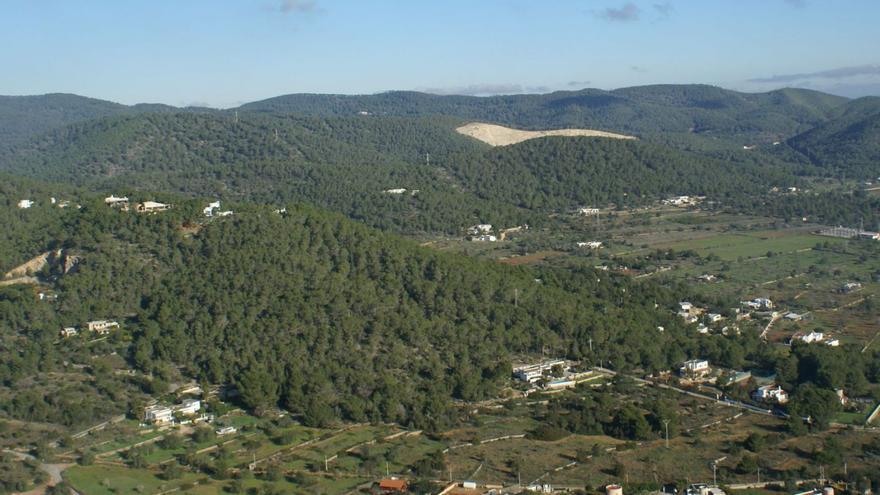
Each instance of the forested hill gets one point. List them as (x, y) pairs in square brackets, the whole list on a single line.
[(557, 173), (24, 117), (314, 313), (847, 145), (698, 110), (346, 164)]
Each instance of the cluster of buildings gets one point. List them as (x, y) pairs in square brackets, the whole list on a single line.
[(683, 200), (814, 338), (482, 232), (759, 304), (100, 327), (28, 203), (165, 414), (551, 374)]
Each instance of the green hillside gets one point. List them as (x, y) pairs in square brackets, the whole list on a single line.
[(346, 164), (308, 311), (702, 111), (849, 144)]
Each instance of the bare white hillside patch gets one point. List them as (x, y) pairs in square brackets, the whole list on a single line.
[(498, 135)]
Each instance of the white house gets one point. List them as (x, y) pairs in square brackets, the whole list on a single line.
[(68, 332), (694, 367), (399, 190), (484, 238), (759, 303), (702, 329), (116, 202), (685, 306), (714, 317), (152, 207), (793, 316), (481, 228), (158, 414), (811, 337), (226, 430), (588, 211), (533, 372), (771, 393), (25, 203), (590, 244), (189, 406), (208, 211), (101, 326)]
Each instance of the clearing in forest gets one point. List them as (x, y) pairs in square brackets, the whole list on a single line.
[(497, 135)]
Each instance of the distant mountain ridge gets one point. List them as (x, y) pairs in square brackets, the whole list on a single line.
[(686, 110), (23, 117)]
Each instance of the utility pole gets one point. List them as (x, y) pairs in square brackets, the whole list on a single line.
[(666, 425), (759, 475), (428, 159), (591, 345), (387, 474), (515, 298), (715, 473), (326, 468)]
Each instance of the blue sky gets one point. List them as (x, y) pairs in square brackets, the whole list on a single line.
[(225, 52)]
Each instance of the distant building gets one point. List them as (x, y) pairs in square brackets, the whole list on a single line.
[(116, 202), (759, 303), (484, 238), (102, 327), (399, 190), (480, 228), (188, 407), (850, 287), (590, 244), (208, 211), (393, 485), (534, 372), (694, 367), (158, 414), (793, 316), (849, 233), (771, 393), (714, 317), (25, 203), (588, 211), (807, 338), (152, 207), (226, 430), (68, 332)]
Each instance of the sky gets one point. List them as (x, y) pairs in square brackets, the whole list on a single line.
[(223, 53)]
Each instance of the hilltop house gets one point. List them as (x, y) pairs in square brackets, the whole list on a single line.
[(533, 372), (25, 203), (393, 485), (188, 407)]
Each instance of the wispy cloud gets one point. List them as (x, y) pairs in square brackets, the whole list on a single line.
[(664, 9), (288, 6), (486, 89), (578, 84), (839, 73), (627, 12)]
